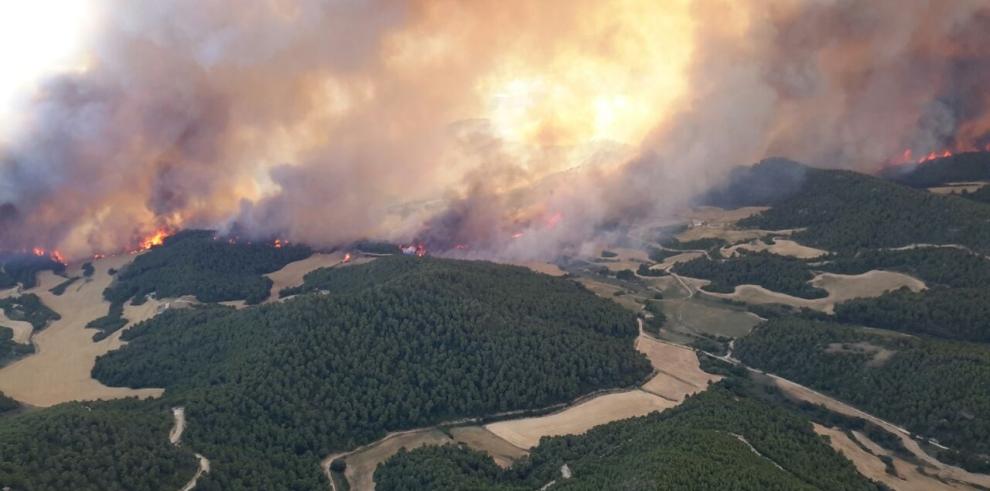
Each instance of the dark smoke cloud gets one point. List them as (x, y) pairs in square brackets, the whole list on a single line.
[(327, 121)]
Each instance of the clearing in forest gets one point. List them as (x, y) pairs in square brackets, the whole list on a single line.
[(780, 247), (59, 370), (840, 287)]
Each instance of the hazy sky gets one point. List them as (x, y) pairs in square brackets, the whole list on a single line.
[(38, 37)]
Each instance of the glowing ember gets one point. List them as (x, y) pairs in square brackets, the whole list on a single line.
[(37, 251), (278, 244), (347, 257)]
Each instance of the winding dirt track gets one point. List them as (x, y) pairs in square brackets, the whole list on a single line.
[(175, 438), (677, 374)]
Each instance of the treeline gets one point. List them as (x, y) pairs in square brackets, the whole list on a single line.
[(960, 313), (846, 211), (11, 350), (970, 166), (24, 268), (401, 342), (197, 263), (99, 446), (935, 388), (29, 308), (936, 266), (7, 404), (701, 444), (777, 273)]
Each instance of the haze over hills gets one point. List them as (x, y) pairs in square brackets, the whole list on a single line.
[(369, 353), (495, 245)]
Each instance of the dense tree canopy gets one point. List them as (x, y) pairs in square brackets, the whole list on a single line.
[(702, 444), (24, 268), (196, 263), (846, 211), (970, 166), (778, 273), (937, 388), (936, 266), (397, 343), (958, 313), (98, 446)]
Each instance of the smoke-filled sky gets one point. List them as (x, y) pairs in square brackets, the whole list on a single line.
[(510, 128)]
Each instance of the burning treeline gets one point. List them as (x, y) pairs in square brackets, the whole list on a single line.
[(500, 127)]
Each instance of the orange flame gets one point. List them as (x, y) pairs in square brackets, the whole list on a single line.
[(278, 243), (153, 240), (38, 251), (347, 257)]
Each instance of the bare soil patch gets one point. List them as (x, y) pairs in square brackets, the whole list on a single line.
[(479, 438), (59, 371), (839, 287)]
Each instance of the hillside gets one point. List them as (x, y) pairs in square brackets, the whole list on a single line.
[(397, 343), (844, 211), (932, 387), (118, 445), (715, 440), (963, 167)]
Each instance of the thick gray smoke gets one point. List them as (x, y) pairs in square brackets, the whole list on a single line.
[(494, 128)]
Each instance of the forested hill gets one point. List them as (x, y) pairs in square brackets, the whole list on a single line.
[(23, 268), (971, 166), (105, 446), (702, 444), (195, 263), (396, 343), (932, 387), (845, 211)]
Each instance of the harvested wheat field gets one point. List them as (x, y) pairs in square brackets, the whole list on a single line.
[(932, 467), (869, 464), (292, 274), (780, 247), (22, 329), (575, 420), (479, 438), (840, 288), (361, 464), (684, 257), (59, 371), (679, 373)]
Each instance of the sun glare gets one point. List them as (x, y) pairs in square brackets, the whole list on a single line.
[(38, 37)]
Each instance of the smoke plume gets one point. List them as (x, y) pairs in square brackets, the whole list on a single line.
[(494, 128)]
